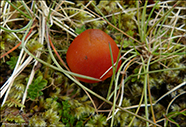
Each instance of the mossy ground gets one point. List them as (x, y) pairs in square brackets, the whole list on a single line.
[(153, 62)]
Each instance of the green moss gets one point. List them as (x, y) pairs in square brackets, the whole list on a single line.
[(97, 121), (159, 110), (33, 45), (107, 7), (12, 62), (11, 116), (16, 93), (80, 107), (37, 121)]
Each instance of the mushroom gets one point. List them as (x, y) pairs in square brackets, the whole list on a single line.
[(89, 55)]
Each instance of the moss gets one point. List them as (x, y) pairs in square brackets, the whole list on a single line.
[(7, 41), (33, 45), (37, 121), (107, 7), (80, 107), (97, 121), (159, 111), (48, 113), (11, 115), (16, 93), (136, 89)]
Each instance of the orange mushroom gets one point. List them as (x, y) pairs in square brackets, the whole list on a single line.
[(89, 55)]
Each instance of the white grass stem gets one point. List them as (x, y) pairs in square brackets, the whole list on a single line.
[(14, 75), (41, 40)]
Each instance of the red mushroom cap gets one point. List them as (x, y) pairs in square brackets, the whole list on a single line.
[(89, 55)]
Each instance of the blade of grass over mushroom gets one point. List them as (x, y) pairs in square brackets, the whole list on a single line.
[(113, 76), (115, 64), (114, 70)]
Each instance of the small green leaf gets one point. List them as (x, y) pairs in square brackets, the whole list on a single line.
[(133, 79), (79, 124), (2, 45), (80, 30), (33, 46), (36, 86), (12, 62)]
